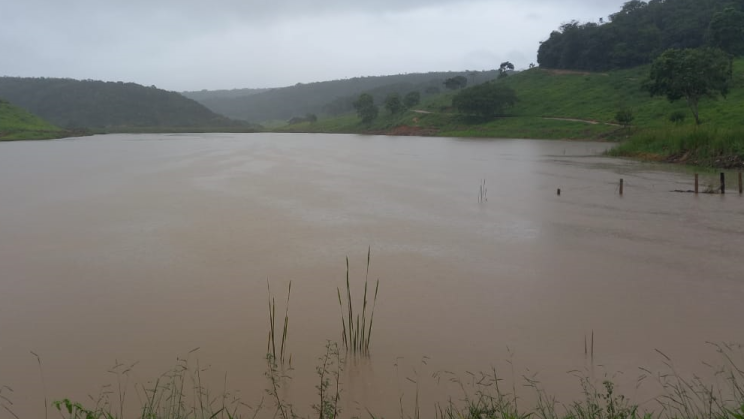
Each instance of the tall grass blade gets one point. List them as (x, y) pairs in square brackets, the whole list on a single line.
[(356, 331), (286, 322), (273, 319), (351, 310), (343, 322), (372, 316)]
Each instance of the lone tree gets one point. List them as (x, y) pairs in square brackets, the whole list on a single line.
[(365, 107), (393, 103), (412, 99), (504, 69), (454, 83), (690, 74), (487, 100)]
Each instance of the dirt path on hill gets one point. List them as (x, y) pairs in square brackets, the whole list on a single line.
[(586, 121)]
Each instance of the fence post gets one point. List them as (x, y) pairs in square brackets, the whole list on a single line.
[(741, 185), (621, 186), (696, 183), (723, 183)]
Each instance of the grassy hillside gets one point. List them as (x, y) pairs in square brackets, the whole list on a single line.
[(107, 105), (18, 124), (324, 98), (575, 105)]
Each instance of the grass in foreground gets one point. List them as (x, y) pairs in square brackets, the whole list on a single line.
[(180, 394)]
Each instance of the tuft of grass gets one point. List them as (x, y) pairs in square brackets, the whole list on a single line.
[(271, 345), (329, 386), (176, 394), (357, 333), (284, 410)]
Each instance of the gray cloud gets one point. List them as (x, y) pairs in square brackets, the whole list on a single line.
[(187, 44)]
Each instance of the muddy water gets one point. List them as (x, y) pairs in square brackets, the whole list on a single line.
[(142, 248)]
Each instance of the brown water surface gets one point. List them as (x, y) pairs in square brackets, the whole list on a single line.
[(144, 247)]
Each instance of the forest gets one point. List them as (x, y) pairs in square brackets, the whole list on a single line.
[(641, 31), (70, 103)]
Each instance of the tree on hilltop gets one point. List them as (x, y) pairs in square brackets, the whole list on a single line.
[(504, 69)]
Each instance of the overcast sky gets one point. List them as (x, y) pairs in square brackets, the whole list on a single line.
[(223, 44)]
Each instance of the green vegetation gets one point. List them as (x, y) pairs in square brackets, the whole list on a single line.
[(393, 104), (181, 394), (325, 99), (559, 100), (625, 117), (690, 74), (505, 68), (17, 124), (702, 146), (455, 83), (271, 345), (107, 105), (641, 31), (726, 31), (357, 335), (487, 100), (204, 94), (412, 99), (559, 104), (366, 108)]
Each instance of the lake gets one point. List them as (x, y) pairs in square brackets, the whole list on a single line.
[(141, 248)]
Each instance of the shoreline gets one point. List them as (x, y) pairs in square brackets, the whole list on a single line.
[(625, 147)]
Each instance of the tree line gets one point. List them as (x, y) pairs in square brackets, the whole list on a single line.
[(489, 99), (641, 31)]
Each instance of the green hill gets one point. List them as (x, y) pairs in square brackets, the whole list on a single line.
[(18, 124), (108, 105), (328, 98), (599, 96), (557, 104)]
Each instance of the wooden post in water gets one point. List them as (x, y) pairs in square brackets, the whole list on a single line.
[(559, 191), (741, 185), (697, 183), (723, 183), (621, 186)]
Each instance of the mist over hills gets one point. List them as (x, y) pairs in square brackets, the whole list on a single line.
[(205, 94), (325, 98)]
